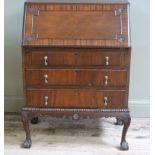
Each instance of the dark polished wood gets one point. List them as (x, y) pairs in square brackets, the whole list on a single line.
[(74, 98), (105, 25), (76, 62), (29, 113), (76, 57), (76, 77)]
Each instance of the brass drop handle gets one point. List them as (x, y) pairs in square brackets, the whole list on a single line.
[(45, 60), (106, 79), (46, 78), (46, 100), (106, 60), (105, 101)]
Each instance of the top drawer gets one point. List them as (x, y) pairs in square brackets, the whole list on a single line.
[(76, 57)]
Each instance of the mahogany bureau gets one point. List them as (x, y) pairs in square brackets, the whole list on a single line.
[(76, 61)]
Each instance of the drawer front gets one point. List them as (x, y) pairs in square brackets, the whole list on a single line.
[(75, 57), (74, 98), (78, 77)]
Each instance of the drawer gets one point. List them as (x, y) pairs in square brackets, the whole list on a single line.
[(78, 77), (76, 98), (76, 57)]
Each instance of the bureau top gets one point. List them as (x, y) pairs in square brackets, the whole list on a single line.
[(76, 24)]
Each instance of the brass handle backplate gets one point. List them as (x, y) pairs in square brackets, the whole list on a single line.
[(106, 60), (45, 60), (46, 78), (105, 101), (46, 100), (106, 79)]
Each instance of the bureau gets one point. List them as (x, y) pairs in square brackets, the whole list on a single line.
[(76, 62)]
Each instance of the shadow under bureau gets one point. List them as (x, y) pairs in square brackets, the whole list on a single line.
[(76, 62)]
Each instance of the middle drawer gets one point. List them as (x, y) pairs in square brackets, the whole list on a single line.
[(76, 77)]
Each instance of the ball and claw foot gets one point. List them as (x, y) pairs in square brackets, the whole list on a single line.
[(124, 145), (34, 120), (27, 143)]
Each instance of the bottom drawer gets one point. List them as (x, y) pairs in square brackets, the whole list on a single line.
[(76, 98)]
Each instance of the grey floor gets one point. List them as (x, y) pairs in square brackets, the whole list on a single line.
[(53, 136)]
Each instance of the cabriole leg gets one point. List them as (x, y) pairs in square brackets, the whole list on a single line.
[(126, 119), (25, 120)]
